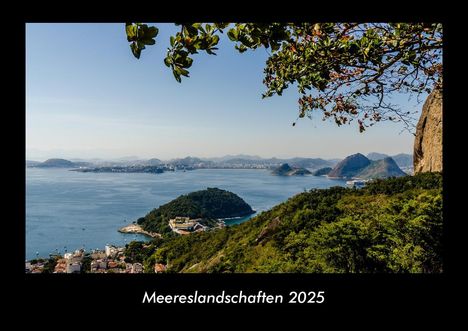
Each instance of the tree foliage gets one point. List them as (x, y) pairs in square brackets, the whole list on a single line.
[(209, 205), (346, 71)]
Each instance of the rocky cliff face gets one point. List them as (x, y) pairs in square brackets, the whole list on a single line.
[(428, 141)]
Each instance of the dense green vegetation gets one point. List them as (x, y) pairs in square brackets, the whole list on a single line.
[(86, 263), (391, 225), (209, 204)]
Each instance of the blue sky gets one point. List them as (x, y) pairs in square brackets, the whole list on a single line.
[(88, 97)]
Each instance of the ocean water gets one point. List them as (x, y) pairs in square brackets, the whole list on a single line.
[(67, 210)]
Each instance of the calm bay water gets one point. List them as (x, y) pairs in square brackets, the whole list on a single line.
[(69, 210)]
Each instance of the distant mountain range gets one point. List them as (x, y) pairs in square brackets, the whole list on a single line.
[(359, 166), (56, 163), (240, 161)]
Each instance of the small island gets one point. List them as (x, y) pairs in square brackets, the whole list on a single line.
[(197, 211), (323, 171), (286, 170)]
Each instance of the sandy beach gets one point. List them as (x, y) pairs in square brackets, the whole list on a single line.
[(135, 228)]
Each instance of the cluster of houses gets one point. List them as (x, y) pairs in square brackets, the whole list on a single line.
[(185, 225), (70, 263), (35, 266), (109, 260)]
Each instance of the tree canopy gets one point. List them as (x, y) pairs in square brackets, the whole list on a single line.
[(345, 71)]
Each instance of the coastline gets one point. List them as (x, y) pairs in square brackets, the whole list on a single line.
[(135, 228), (236, 217)]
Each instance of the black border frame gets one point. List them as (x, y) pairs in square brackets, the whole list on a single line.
[(360, 293)]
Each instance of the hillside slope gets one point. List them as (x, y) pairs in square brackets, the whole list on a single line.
[(392, 225), (384, 168)]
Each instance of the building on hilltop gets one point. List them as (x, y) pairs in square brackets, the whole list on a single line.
[(185, 225)]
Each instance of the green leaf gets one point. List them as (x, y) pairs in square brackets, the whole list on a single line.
[(176, 76), (152, 32), (140, 44), (241, 48), (184, 72), (233, 34), (221, 25), (172, 39), (135, 50), (188, 62), (149, 41), (214, 40), (168, 61), (131, 31)]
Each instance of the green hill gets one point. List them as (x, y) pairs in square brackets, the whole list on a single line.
[(286, 170), (384, 168), (350, 166), (212, 203), (391, 225), (322, 171), (359, 166)]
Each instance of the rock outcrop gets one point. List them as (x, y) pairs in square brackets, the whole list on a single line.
[(428, 141)]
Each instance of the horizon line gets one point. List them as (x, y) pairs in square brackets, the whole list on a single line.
[(139, 158)]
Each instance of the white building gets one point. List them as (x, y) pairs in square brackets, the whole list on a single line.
[(137, 268), (111, 251), (102, 264), (74, 267), (68, 256)]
